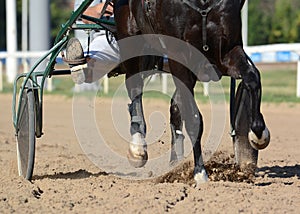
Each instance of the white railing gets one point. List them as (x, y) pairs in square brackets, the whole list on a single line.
[(292, 47), (274, 53), (18, 55), (264, 53), (277, 53)]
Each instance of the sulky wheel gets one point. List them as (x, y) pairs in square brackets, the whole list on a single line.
[(26, 134), (245, 155)]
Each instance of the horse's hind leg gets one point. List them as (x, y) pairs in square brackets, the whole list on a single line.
[(137, 154), (177, 147)]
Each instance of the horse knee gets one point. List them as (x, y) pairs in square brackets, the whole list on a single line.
[(252, 79)]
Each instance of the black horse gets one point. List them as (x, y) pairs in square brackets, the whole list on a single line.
[(214, 28)]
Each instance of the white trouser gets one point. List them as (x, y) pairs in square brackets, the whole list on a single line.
[(102, 57)]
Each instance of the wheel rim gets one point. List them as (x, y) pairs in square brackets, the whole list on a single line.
[(26, 136)]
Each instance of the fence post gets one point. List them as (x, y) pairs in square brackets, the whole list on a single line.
[(49, 85), (11, 40), (298, 77), (1, 76), (25, 65), (164, 83), (105, 85), (206, 88)]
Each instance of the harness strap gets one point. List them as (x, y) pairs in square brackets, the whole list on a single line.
[(232, 106), (204, 13), (146, 5)]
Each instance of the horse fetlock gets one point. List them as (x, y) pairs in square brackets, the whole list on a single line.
[(261, 142)]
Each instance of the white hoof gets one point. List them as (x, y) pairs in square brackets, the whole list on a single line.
[(201, 177), (137, 153), (261, 143)]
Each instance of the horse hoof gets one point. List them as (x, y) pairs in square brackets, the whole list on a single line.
[(201, 177), (261, 143), (248, 168), (137, 161), (137, 153)]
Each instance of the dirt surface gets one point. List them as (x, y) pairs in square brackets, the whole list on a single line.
[(66, 180)]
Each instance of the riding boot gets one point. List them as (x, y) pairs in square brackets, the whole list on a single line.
[(76, 60)]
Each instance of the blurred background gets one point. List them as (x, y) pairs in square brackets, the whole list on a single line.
[(271, 31)]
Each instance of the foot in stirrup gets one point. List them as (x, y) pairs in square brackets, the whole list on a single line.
[(76, 60)]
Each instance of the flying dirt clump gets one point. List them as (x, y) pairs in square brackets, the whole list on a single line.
[(220, 167)]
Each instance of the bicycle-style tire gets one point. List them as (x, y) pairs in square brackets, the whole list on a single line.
[(26, 135)]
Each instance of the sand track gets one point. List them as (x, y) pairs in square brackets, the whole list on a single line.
[(65, 180)]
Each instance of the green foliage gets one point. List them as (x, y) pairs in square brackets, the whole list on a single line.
[(259, 25), (274, 21), (283, 23), (60, 13)]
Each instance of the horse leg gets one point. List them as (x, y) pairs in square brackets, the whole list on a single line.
[(245, 155), (238, 62), (137, 154), (177, 147), (126, 26), (194, 128), (185, 81), (249, 92)]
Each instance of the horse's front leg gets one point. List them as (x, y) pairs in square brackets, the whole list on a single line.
[(194, 127), (137, 154), (177, 147), (238, 61), (185, 81)]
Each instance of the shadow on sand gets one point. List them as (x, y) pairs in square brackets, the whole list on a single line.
[(281, 171), (79, 174)]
